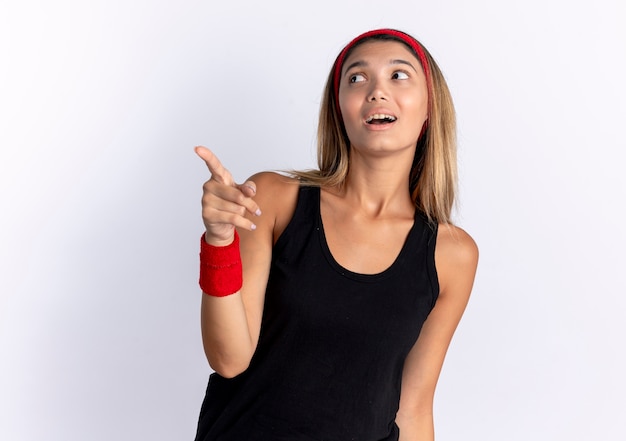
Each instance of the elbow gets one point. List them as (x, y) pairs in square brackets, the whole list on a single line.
[(229, 371), (228, 367), (229, 357)]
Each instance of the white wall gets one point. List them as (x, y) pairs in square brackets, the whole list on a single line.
[(101, 103)]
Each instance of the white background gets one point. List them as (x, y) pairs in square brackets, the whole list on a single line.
[(101, 103)]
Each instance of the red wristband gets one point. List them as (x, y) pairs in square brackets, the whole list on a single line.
[(220, 268)]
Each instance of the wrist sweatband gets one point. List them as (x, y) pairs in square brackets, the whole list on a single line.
[(220, 268)]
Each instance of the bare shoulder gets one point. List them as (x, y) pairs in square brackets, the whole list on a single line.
[(274, 190), (277, 196), (454, 243), (456, 257), (272, 180)]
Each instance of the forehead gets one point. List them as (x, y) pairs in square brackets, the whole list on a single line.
[(381, 51)]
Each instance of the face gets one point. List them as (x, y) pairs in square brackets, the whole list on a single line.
[(383, 97)]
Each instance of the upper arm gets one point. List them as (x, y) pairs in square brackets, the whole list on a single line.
[(456, 259), (276, 196)]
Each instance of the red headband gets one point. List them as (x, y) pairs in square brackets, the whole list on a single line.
[(410, 41)]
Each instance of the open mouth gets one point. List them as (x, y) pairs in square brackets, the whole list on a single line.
[(380, 118)]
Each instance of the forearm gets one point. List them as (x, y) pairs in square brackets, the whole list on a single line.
[(231, 310), (226, 336), (416, 427)]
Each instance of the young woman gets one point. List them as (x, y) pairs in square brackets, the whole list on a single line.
[(331, 295)]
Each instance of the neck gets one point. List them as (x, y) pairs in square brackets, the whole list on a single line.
[(379, 185)]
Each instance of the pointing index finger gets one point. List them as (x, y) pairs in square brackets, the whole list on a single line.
[(218, 171)]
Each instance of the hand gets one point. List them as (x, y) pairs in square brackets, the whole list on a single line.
[(225, 203)]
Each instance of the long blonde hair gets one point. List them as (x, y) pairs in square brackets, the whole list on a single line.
[(433, 176)]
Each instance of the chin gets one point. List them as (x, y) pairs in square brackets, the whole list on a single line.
[(384, 146)]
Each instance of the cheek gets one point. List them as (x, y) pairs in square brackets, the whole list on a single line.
[(346, 103), (350, 110), (419, 105)]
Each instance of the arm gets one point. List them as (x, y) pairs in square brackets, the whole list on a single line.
[(231, 325), (456, 258)]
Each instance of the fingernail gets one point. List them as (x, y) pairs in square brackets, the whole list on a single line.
[(253, 227), (258, 212), (252, 189)]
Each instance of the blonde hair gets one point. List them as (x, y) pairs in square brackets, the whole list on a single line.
[(433, 176)]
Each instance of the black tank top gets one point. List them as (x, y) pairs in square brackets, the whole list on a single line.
[(328, 365)]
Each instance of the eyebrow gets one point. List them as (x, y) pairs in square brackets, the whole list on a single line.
[(362, 63)]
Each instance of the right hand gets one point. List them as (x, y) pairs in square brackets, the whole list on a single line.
[(225, 203)]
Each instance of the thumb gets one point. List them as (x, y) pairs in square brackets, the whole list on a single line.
[(248, 188)]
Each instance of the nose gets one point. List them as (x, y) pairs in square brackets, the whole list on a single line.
[(377, 92)]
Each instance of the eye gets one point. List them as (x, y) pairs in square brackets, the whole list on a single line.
[(356, 78), (400, 75)]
